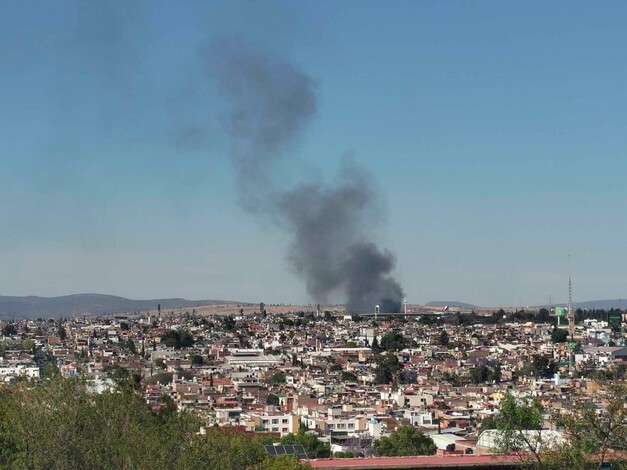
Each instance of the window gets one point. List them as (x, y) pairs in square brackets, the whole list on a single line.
[(284, 421), (275, 421)]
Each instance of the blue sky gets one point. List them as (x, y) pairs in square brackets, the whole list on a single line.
[(495, 131)]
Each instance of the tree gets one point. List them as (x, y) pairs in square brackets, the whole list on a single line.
[(593, 432), (130, 345), (9, 329), (513, 421), (376, 349), (559, 335), (61, 332), (177, 339), (124, 326), (229, 323), (406, 440), (348, 377), (284, 462), (483, 374), (387, 368), (392, 341), (61, 424), (543, 366), (278, 378), (272, 399), (443, 338), (28, 345), (197, 359)]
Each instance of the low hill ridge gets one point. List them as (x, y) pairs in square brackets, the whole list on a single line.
[(85, 304)]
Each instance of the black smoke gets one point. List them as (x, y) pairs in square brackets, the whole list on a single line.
[(271, 103)]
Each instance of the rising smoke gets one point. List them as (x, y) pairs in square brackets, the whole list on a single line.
[(270, 105)]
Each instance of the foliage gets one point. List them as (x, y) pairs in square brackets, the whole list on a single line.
[(272, 399), (59, 424), (348, 377), (229, 323), (387, 368), (9, 329), (559, 335), (278, 378), (177, 339), (514, 418), (592, 432), (376, 349), (406, 440), (540, 367), (197, 359), (315, 449), (593, 435), (344, 455), (483, 374), (392, 341), (443, 338), (284, 462)]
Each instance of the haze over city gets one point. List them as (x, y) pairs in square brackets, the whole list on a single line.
[(481, 146)]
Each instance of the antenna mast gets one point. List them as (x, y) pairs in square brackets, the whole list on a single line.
[(571, 312)]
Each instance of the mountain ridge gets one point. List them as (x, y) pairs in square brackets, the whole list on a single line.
[(89, 304)]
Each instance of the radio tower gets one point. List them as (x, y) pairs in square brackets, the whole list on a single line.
[(571, 312)]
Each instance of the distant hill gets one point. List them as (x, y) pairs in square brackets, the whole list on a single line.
[(597, 304), (85, 304), (450, 303)]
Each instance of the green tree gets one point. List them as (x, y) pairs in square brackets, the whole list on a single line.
[(177, 339), (348, 376), (558, 335), (386, 369), (392, 341), (229, 323), (443, 338), (61, 332), (512, 422), (278, 378), (272, 399), (197, 359), (61, 425), (284, 462), (28, 345), (376, 349), (406, 440), (9, 329), (593, 433)]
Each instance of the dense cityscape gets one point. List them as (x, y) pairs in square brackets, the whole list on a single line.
[(339, 384)]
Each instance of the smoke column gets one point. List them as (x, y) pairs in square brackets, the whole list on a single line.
[(271, 103)]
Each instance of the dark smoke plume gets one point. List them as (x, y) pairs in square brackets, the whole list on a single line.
[(272, 102)]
